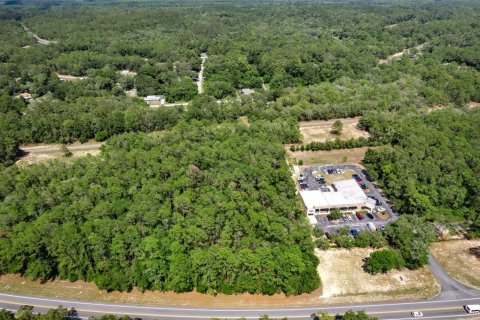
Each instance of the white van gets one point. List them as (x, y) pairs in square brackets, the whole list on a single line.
[(472, 308), (371, 226)]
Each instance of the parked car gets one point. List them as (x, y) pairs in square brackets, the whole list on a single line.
[(371, 226), (363, 186), (350, 218), (371, 216), (354, 232), (380, 209), (360, 216)]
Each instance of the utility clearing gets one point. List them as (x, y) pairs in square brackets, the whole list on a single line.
[(319, 130), (455, 257)]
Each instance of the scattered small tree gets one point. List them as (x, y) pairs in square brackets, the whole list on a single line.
[(335, 214), (318, 232), (337, 127), (66, 152)]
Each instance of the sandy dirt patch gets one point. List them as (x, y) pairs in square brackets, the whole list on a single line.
[(348, 156), (35, 153), (391, 26), (401, 53), (319, 130), (457, 261), (244, 120), (342, 276), (473, 104), (32, 158)]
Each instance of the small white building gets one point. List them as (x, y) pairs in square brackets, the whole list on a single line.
[(347, 197), (154, 100), (25, 96)]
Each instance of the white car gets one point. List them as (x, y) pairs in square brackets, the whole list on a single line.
[(417, 314), (380, 209)]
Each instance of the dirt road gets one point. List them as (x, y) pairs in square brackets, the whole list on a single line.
[(39, 40), (204, 57), (46, 148)]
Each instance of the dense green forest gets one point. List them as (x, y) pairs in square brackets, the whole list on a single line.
[(206, 206), (432, 166), (210, 204)]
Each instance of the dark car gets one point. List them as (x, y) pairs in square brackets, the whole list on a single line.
[(371, 216), (363, 186), (359, 216), (354, 232)]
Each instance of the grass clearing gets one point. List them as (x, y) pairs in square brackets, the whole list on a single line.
[(344, 280), (319, 130), (331, 178), (347, 156), (457, 261), (32, 158)]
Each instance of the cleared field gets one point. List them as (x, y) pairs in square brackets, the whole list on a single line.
[(45, 152), (457, 261), (342, 276), (350, 156), (320, 130)]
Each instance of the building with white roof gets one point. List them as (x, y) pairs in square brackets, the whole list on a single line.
[(347, 197), (154, 100)]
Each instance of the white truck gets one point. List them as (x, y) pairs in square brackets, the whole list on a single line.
[(472, 308)]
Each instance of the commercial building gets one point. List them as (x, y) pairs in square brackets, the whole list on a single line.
[(347, 197)]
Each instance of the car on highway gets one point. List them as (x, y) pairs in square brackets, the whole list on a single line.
[(417, 314)]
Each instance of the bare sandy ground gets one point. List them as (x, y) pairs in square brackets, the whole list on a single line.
[(319, 130), (348, 156), (400, 54), (342, 275)]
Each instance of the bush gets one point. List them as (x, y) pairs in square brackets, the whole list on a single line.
[(101, 136), (382, 261)]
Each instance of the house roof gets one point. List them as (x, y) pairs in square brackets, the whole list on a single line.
[(153, 98)]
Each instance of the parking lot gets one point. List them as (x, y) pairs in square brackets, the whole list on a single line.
[(312, 181)]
